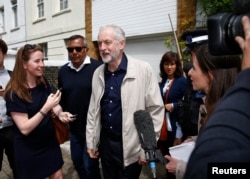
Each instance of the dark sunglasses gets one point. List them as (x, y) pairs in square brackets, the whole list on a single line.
[(78, 49), (29, 46)]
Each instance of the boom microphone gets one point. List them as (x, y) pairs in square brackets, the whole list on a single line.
[(145, 128)]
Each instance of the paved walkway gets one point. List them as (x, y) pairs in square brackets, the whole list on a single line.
[(69, 171)]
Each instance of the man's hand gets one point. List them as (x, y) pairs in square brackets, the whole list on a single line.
[(66, 117), (92, 153), (142, 161), (245, 43)]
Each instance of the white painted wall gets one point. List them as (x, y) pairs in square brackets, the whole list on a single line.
[(136, 17), (149, 49), (55, 27), (145, 22), (13, 36)]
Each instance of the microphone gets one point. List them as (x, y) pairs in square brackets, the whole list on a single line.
[(145, 128)]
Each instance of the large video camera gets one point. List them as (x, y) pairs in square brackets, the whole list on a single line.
[(224, 27)]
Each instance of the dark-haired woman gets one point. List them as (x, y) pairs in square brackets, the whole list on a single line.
[(173, 86), (213, 75)]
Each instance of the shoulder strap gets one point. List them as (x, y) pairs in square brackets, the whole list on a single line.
[(10, 72), (167, 92)]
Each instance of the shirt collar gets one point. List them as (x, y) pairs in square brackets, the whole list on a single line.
[(85, 62), (124, 63)]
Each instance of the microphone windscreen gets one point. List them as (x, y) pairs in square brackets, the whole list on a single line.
[(145, 128)]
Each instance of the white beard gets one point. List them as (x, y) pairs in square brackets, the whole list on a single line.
[(106, 60), (111, 57)]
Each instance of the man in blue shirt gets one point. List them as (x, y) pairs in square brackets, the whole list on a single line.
[(121, 86)]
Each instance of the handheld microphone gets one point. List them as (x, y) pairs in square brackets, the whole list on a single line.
[(145, 128)]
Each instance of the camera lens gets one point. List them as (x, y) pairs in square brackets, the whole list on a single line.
[(222, 30), (235, 28)]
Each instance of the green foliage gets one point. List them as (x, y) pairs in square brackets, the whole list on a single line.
[(211, 7), (169, 42)]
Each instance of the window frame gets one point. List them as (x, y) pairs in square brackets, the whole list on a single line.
[(44, 46), (64, 4), (2, 20), (40, 8), (14, 8)]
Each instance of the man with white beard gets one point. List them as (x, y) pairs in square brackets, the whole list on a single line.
[(120, 87)]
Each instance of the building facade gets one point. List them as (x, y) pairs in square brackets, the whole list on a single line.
[(49, 23), (12, 27), (146, 24), (43, 22)]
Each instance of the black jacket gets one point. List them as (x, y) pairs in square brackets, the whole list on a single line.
[(226, 136)]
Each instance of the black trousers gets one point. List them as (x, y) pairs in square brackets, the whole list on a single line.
[(111, 153), (6, 145), (164, 147)]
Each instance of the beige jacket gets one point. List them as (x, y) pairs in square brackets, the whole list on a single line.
[(139, 91)]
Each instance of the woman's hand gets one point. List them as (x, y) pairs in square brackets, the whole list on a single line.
[(177, 141), (2, 91), (171, 165), (52, 101), (169, 107), (189, 139)]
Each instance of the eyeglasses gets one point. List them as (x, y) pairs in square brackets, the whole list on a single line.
[(78, 49)]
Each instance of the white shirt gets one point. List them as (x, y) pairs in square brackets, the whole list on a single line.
[(6, 120), (86, 61)]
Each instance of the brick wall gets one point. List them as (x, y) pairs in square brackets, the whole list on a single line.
[(93, 48), (186, 14)]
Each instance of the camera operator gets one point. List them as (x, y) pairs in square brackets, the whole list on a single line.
[(226, 137)]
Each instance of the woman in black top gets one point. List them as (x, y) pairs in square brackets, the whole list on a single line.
[(29, 101)]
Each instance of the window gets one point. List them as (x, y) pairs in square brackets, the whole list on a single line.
[(63, 4), (45, 50), (2, 23), (14, 9), (60, 7), (40, 7)]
